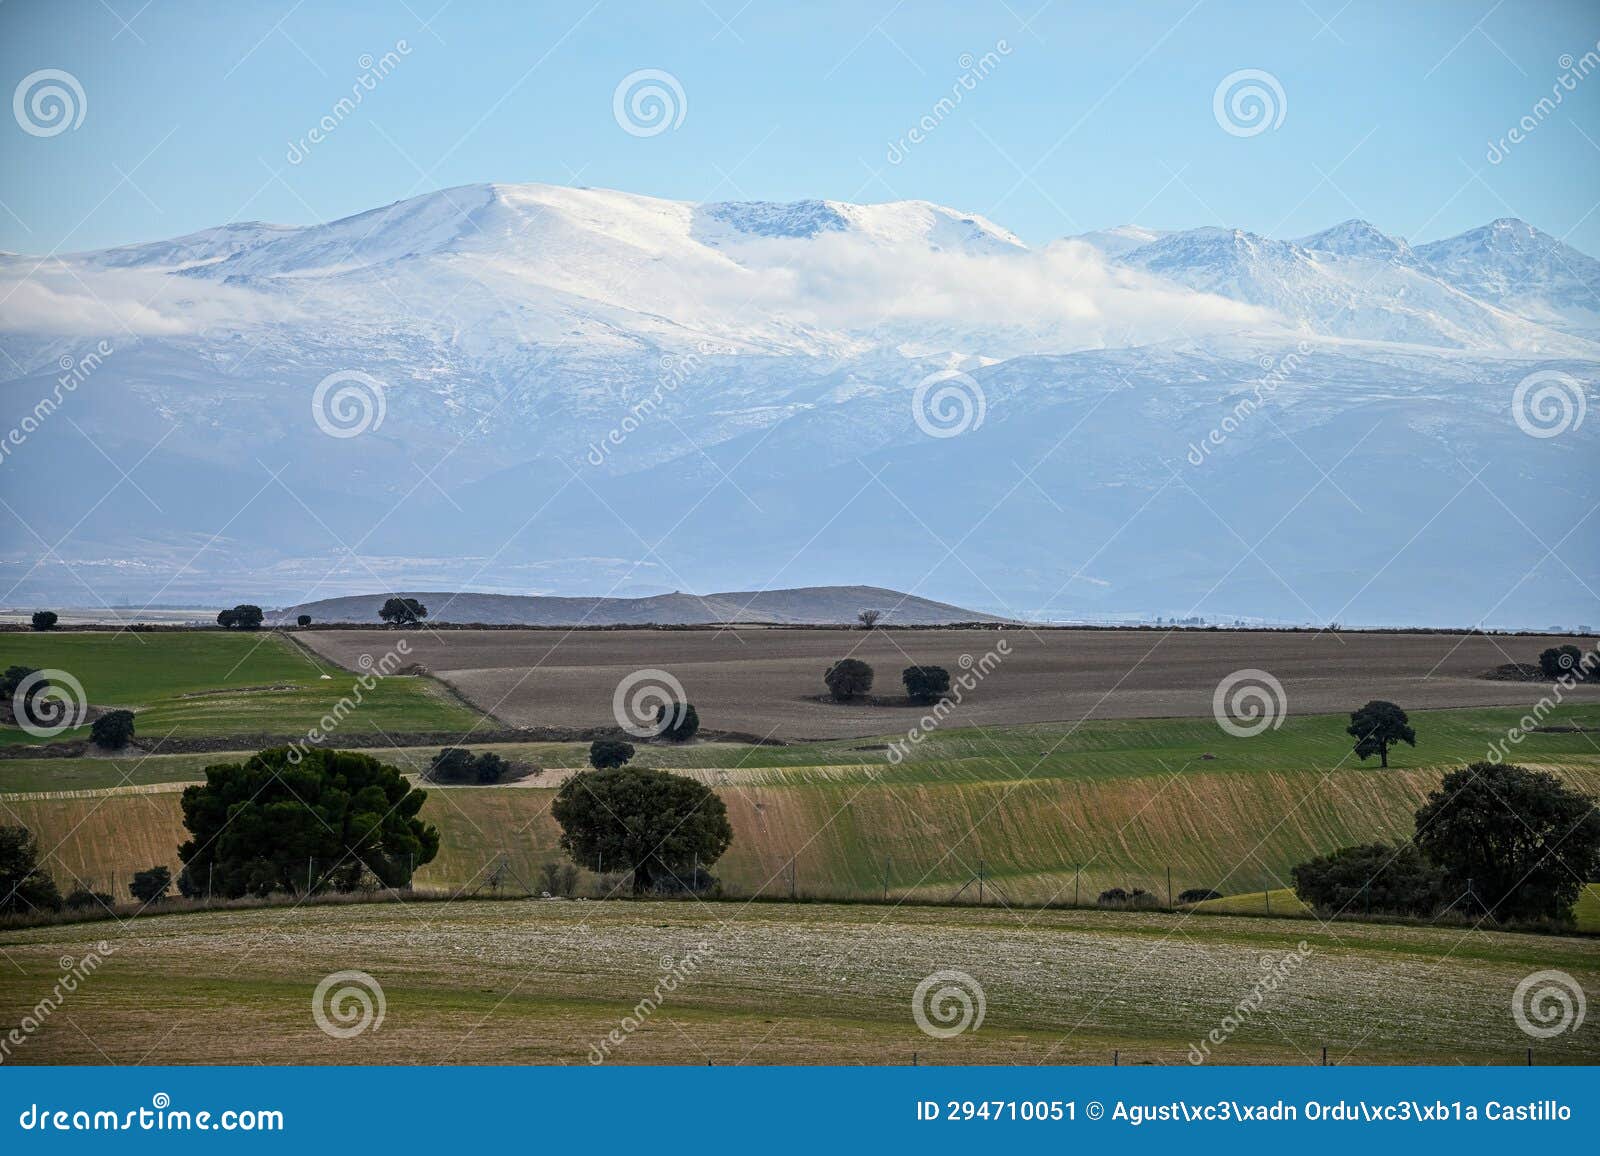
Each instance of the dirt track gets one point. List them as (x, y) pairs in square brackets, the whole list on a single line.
[(769, 682)]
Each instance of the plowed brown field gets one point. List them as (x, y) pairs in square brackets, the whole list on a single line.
[(769, 682)]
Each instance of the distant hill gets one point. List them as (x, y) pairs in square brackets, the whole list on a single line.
[(806, 606)]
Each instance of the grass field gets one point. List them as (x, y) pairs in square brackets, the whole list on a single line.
[(544, 982), (1050, 812), (769, 682), (210, 683)]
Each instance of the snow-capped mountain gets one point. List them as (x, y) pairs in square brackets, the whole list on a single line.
[(1515, 266), (1349, 281), (533, 388)]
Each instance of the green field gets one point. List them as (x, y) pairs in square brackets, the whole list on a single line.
[(1049, 813), (544, 982), (193, 684)]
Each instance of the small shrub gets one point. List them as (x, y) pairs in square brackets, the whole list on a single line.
[(459, 765), (605, 753), (80, 898), (1198, 895), (112, 730), (869, 618), (1112, 896), (1558, 661), (303, 620), (925, 684), (45, 619), (150, 886), (848, 678), (1371, 876)]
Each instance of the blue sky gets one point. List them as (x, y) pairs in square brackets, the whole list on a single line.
[(1087, 118)]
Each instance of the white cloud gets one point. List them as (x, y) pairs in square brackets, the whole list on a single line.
[(66, 298)]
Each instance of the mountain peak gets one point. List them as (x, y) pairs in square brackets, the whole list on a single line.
[(1357, 238), (1114, 242)]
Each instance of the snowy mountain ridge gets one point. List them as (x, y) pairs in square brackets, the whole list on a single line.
[(555, 365)]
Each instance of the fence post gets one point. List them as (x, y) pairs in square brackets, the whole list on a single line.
[(1169, 886), (310, 866), (980, 882), (887, 862), (1075, 871), (1267, 895)]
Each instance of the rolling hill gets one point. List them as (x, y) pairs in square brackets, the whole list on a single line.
[(809, 606)]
